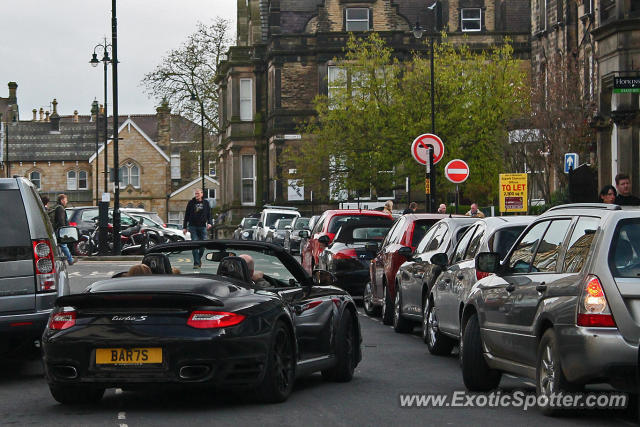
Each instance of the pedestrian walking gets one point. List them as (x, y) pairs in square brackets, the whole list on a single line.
[(197, 220), (388, 207), (608, 194), (623, 186), (411, 209), (60, 220), (474, 211), (442, 209)]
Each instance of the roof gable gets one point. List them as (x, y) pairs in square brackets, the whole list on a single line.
[(198, 179), (130, 122)]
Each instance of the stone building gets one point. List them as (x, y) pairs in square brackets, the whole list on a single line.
[(282, 60)]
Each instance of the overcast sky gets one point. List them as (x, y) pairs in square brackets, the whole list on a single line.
[(47, 44)]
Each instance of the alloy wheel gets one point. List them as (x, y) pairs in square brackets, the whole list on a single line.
[(432, 325), (396, 308), (368, 305), (282, 360), (384, 301), (547, 372)]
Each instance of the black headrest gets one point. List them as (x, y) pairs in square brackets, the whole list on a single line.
[(158, 263), (235, 267)]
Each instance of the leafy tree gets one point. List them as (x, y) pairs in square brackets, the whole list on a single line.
[(191, 70)]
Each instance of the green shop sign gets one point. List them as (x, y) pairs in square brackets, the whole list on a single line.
[(626, 85)]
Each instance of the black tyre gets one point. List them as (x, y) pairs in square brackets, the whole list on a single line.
[(280, 368), (367, 301), (400, 324), (476, 373), (437, 343), (74, 394), (549, 376), (387, 306), (346, 348)]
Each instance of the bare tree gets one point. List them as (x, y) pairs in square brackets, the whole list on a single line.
[(189, 71)]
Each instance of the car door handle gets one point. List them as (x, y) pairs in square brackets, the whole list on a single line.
[(460, 276), (541, 287), (510, 287)]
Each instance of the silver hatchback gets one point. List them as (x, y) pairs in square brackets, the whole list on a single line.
[(562, 308)]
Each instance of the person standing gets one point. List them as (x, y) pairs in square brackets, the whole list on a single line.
[(624, 197), (197, 220), (442, 209), (60, 220), (608, 194), (474, 211), (411, 209), (388, 207)]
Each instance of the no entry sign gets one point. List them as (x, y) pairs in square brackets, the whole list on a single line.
[(422, 143), (457, 171)]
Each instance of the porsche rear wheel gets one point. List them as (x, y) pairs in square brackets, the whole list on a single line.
[(280, 368), (74, 394), (346, 347)]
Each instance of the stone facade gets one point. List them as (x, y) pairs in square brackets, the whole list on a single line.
[(284, 48)]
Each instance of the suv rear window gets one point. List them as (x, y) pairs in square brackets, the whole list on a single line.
[(15, 243), (337, 221), (624, 255), (273, 217)]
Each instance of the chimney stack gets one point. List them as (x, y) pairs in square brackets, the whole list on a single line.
[(13, 87), (35, 112), (46, 116), (41, 114), (76, 119), (55, 118), (163, 116)]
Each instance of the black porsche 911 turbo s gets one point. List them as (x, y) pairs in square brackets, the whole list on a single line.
[(349, 254), (249, 318)]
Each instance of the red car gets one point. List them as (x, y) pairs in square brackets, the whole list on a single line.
[(408, 231), (325, 229)]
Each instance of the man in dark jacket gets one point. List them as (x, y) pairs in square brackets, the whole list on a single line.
[(60, 220), (624, 197), (197, 219)]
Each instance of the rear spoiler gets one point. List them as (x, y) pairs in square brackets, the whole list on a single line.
[(125, 300)]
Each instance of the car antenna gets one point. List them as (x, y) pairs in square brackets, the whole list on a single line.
[(450, 216)]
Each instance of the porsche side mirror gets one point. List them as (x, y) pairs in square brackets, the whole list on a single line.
[(324, 239), (406, 252), (488, 262), (324, 278), (440, 259)]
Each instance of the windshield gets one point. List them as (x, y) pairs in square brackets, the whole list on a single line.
[(266, 265), (147, 221), (504, 238), (250, 222), (337, 221), (301, 224), (283, 223), (273, 217), (15, 243), (420, 230), (356, 234)]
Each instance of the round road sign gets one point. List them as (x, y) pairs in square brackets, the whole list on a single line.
[(422, 143), (456, 171)]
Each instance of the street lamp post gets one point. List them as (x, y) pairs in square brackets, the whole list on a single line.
[(114, 69), (194, 99), (94, 63), (96, 110)]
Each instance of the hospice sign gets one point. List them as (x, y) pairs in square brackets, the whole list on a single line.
[(513, 192)]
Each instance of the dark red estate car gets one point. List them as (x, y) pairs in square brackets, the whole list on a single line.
[(408, 231), (326, 228)]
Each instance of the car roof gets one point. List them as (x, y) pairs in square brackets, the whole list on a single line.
[(342, 212)]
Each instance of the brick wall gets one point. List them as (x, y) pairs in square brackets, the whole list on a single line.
[(299, 85)]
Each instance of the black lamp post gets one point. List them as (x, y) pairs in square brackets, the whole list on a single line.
[(114, 69), (418, 31), (106, 48), (194, 100), (95, 110)]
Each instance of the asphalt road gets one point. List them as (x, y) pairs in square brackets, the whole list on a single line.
[(392, 364)]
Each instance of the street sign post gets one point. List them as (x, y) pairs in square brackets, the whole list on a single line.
[(457, 171), (513, 192), (428, 149), (571, 161)]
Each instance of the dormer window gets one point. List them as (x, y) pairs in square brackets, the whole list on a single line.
[(471, 19), (357, 19)]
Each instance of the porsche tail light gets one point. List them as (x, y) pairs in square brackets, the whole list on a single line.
[(345, 254), (213, 319), (62, 320), (45, 266), (593, 309)]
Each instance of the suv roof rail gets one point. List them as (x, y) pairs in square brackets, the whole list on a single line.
[(606, 206), (280, 207)]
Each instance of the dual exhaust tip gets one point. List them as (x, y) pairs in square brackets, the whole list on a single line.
[(187, 372)]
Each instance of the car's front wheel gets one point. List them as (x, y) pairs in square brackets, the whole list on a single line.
[(346, 348), (476, 373), (400, 324), (280, 368), (437, 343), (75, 394), (367, 301)]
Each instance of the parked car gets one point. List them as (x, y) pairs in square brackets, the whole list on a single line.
[(173, 226), (349, 254), (33, 272), (417, 275), (562, 307), (268, 219), (407, 231), (304, 237), (441, 320), (85, 217), (150, 220), (326, 228), (245, 229), (165, 329), (292, 237), (275, 235)]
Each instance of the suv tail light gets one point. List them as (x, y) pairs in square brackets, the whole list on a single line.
[(593, 308), (213, 319), (45, 266), (61, 320)]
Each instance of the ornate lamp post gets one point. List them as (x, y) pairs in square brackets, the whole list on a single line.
[(106, 49)]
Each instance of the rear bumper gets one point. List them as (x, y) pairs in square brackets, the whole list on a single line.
[(353, 281), (19, 332), (598, 355)]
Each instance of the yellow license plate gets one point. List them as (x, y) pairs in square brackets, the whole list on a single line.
[(128, 356)]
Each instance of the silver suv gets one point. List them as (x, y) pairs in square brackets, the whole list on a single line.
[(563, 307), (32, 268)]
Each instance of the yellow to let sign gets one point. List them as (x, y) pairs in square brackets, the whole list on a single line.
[(513, 192), (427, 186)]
